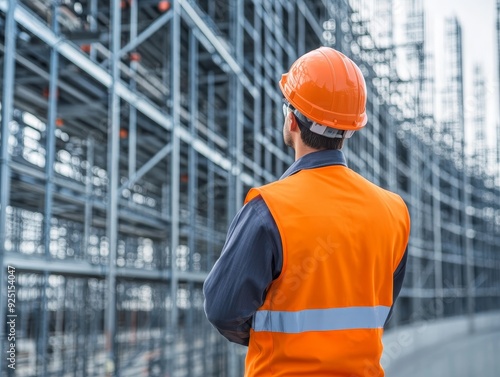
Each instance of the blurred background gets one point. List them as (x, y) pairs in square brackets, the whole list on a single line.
[(131, 131)]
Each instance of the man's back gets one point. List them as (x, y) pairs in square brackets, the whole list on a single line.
[(342, 239)]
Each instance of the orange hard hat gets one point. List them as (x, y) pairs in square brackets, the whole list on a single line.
[(328, 88)]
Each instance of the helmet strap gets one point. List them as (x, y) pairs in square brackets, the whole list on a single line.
[(329, 132)]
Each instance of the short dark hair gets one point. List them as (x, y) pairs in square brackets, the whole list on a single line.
[(318, 141)]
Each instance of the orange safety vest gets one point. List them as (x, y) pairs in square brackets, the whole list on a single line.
[(342, 239)]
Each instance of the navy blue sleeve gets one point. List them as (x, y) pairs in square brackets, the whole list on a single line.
[(398, 278), (250, 260)]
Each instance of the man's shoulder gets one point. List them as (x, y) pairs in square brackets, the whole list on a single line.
[(383, 190)]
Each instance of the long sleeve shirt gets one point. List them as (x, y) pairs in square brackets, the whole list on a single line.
[(252, 258)]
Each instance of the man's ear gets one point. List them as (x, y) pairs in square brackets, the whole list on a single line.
[(294, 125)]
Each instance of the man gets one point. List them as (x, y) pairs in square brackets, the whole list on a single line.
[(313, 262)]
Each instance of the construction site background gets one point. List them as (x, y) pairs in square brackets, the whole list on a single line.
[(131, 131)]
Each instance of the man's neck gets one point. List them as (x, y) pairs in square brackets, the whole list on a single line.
[(302, 150)]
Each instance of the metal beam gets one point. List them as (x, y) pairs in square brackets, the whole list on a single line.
[(81, 109), (79, 268), (7, 109), (88, 206), (113, 181), (49, 180), (175, 93), (132, 123)]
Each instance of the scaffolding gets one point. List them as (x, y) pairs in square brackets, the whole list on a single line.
[(131, 131)]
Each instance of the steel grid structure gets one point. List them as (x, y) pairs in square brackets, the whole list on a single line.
[(131, 131)]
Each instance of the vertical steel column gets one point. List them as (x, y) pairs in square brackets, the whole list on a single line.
[(292, 35), (85, 337), (498, 78), (301, 35), (93, 24), (210, 188), (87, 220), (257, 108), (279, 167), (192, 178), (416, 151), (498, 151), (468, 233), (375, 130), (9, 67), (169, 323), (267, 102), (50, 134), (339, 34), (132, 125), (231, 150), (391, 137), (113, 174), (437, 240), (235, 187), (268, 107), (210, 168), (175, 164), (414, 243), (57, 353), (480, 157), (49, 183), (238, 87)]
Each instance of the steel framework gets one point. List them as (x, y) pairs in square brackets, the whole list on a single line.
[(131, 131)]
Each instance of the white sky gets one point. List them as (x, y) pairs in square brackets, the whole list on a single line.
[(478, 21)]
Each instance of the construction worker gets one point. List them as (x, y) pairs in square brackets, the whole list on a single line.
[(313, 262)]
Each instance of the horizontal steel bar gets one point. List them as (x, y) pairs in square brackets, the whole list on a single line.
[(80, 268)]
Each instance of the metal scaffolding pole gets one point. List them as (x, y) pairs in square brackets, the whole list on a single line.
[(49, 181), (479, 162), (498, 45), (210, 173), (5, 172), (235, 125), (437, 239), (87, 212), (175, 68), (192, 177), (113, 154), (468, 234), (132, 124)]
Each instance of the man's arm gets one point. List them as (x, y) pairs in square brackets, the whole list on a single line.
[(250, 260), (398, 278)]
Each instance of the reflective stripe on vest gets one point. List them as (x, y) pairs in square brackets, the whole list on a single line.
[(360, 317)]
